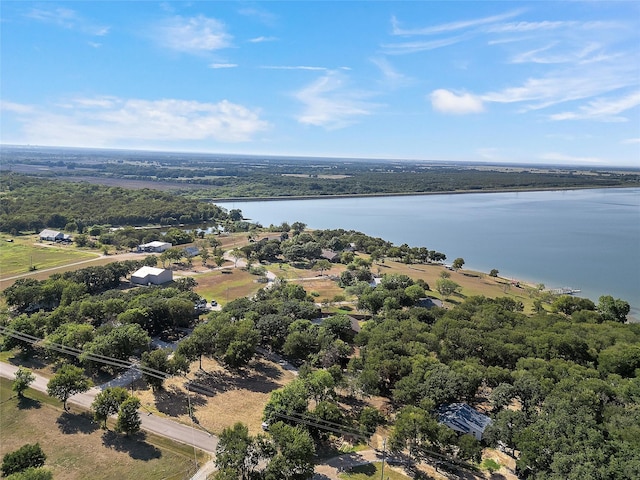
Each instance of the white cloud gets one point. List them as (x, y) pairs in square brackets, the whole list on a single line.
[(519, 27), (113, 121), (602, 109), (565, 85), (13, 107), (223, 65), (452, 26), (67, 18), (392, 77), (193, 35), (446, 101), (403, 48), (262, 39), (294, 67), (631, 141), (329, 103)]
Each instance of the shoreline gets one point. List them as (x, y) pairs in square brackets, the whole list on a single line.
[(408, 194)]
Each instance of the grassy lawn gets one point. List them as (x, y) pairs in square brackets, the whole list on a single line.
[(372, 471), (224, 287), (17, 256), (77, 449)]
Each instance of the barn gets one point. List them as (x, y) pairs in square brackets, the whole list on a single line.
[(151, 276)]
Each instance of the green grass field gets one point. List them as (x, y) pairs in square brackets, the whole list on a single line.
[(16, 257), (77, 449)]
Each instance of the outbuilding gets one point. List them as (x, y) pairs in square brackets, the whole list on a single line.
[(154, 247), (151, 276), (52, 235)]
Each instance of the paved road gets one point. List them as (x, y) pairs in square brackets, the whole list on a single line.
[(151, 423)]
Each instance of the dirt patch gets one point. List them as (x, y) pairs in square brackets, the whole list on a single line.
[(219, 398)]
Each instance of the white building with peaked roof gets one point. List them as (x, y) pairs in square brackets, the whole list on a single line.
[(155, 246), (53, 236), (151, 276)]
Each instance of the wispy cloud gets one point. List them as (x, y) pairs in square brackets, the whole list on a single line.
[(67, 18), (262, 39), (403, 48), (222, 65), (193, 35), (391, 76), (565, 85), (446, 101), (631, 141), (294, 67), (114, 121), (329, 102), (607, 109), (263, 16), (452, 26)]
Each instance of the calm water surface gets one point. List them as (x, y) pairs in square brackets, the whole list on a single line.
[(584, 239)]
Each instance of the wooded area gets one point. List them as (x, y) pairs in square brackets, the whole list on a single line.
[(235, 176)]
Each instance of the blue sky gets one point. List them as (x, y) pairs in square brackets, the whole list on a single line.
[(523, 82)]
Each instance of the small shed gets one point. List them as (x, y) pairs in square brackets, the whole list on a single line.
[(463, 419), (151, 276), (155, 247), (191, 251)]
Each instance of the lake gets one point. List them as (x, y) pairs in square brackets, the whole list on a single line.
[(583, 239)]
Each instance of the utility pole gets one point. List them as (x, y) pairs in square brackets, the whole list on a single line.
[(384, 452)]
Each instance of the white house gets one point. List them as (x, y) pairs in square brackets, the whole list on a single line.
[(151, 276), (463, 419), (156, 247)]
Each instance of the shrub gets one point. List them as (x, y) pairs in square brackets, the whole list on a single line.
[(26, 456)]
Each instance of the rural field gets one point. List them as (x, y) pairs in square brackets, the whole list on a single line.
[(230, 396), (18, 253), (67, 439)]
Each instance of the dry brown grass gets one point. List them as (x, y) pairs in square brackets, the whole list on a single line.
[(232, 396), (77, 449), (472, 283)]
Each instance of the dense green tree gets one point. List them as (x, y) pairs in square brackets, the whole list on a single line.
[(233, 453), (469, 448), (446, 287), (294, 453), (291, 399), (611, 309), (458, 263), (128, 416), (23, 378), (67, 381), (107, 403), (27, 456)]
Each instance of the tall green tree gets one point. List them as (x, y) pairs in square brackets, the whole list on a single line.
[(107, 403), (233, 455), (128, 416), (68, 381), (23, 378)]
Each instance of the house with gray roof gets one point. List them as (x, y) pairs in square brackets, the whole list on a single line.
[(463, 419)]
